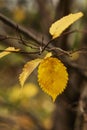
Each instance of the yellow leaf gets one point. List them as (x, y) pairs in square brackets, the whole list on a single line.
[(30, 90), (19, 14), (8, 51), (74, 56), (49, 54), (52, 76), (28, 69), (59, 26)]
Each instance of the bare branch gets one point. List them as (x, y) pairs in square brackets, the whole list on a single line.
[(32, 34)]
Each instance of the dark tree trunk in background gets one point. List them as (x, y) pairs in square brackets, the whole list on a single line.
[(71, 106), (45, 14)]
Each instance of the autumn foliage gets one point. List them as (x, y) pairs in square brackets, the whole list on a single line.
[(52, 74)]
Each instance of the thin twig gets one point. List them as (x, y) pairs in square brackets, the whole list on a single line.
[(63, 52), (22, 52), (24, 31), (25, 42), (47, 45), (59, 49), (73, 31)]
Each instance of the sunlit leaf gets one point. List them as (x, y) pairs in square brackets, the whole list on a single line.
[(48, 55), (8, 51), (59, 26), (52, 76), (28, 69)]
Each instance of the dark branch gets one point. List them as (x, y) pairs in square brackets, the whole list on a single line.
[(32, 34), (22, 52)]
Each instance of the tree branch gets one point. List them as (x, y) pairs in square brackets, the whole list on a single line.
[(32, 34)]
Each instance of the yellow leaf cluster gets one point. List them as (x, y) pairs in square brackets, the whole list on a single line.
[(29, 67), (52, 76)]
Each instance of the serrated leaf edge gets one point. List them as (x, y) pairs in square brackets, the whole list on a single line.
[(44, 90)]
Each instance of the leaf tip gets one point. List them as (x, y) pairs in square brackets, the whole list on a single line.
[(81, 14)]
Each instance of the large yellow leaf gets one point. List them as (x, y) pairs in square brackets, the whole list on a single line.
[(28, 69), (59, 26), (8, 51), (52, 76)]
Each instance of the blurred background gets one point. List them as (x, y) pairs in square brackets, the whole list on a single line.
[(32, 109)]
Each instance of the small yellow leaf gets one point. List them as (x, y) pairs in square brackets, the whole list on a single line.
[(8, 51), (19, 14), (30, 90), (74, 56), (59, 26), (49, 54), (52, 76), (28, 69)]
